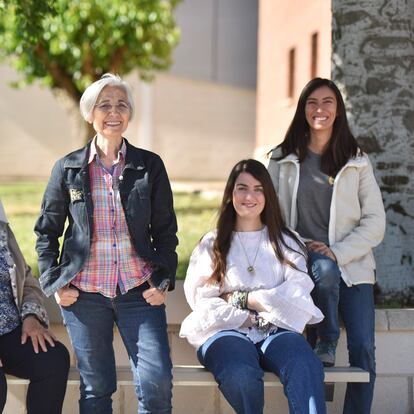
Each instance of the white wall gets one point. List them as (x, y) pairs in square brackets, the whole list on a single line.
[(218, 41)]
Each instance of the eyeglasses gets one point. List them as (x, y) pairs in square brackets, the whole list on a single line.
[(122, 107)]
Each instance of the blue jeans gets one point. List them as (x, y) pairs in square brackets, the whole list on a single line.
[(238, 364), (355, 306), (143, 328)]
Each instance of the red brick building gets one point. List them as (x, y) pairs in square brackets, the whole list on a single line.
[(294, 46)]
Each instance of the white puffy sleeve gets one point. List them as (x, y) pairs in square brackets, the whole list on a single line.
[(289, 305), (210, 314)]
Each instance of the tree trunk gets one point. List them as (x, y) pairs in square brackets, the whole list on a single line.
[(82, 129), (373, 64)]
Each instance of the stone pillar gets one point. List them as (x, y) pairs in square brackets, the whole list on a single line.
[(373, 64)]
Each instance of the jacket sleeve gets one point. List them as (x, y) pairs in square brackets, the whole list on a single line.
[(163, 224), (51, 222), (31, 297), (210, 313), (370, 230), (290, 305)]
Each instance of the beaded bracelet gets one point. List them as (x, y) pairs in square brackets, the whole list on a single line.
[(239, 299)]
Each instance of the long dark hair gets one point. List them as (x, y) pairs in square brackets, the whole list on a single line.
[(341, 147), (270, 216)]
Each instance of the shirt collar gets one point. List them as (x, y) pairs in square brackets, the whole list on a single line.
[(93, 152)]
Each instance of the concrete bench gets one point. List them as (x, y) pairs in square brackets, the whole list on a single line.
[(194, 375)]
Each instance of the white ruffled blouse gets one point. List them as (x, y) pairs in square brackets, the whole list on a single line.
[(283, 291)]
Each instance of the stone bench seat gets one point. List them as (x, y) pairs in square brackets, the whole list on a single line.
[(194, 375)]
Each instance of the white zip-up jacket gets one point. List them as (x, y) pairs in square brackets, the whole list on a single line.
[(357, 216)]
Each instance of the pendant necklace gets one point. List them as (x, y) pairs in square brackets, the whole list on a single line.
[(250, 267)]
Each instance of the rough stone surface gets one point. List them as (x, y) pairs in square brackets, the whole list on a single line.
[(401, 319), (394, 353), (394, 396), (373, 64), (381, 320)]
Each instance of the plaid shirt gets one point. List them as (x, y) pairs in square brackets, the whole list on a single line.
[(112, 260)]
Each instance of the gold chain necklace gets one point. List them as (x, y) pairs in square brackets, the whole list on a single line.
[(250, 267)]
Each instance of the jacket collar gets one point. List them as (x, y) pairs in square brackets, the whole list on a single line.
[(134, 159), (79, 158), (290, 158), (277, 153), (93, 151), (360, 160)]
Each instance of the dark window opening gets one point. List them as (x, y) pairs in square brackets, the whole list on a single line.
[(314, 56), (291, 73)]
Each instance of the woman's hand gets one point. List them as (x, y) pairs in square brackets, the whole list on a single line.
[(38, 334), (249, 322), (66, 296), (319, 247), (154, 296)]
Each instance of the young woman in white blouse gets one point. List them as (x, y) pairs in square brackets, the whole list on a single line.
[(249, 290)]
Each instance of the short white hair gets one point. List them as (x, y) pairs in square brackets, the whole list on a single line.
[(88, 99)]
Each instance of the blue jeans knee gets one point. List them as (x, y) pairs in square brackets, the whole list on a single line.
[(289, 356), (234, 361), (324, 272), (327, 278)]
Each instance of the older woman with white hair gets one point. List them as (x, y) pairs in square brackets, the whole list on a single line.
[(118, 258)]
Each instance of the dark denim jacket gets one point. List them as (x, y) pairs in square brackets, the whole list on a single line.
[(148, 206)]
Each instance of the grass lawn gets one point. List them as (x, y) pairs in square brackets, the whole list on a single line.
[(195, 214)]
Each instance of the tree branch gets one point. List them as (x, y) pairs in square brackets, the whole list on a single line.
[(61, 79), (116, 60), (87, 65)]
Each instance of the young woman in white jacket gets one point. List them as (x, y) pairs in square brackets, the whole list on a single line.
[(249, 291), (328, 194)]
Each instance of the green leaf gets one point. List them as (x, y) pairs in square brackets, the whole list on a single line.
[(69, 43)]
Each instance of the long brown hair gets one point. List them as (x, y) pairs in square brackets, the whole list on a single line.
[(270, 216), (341, 147)]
